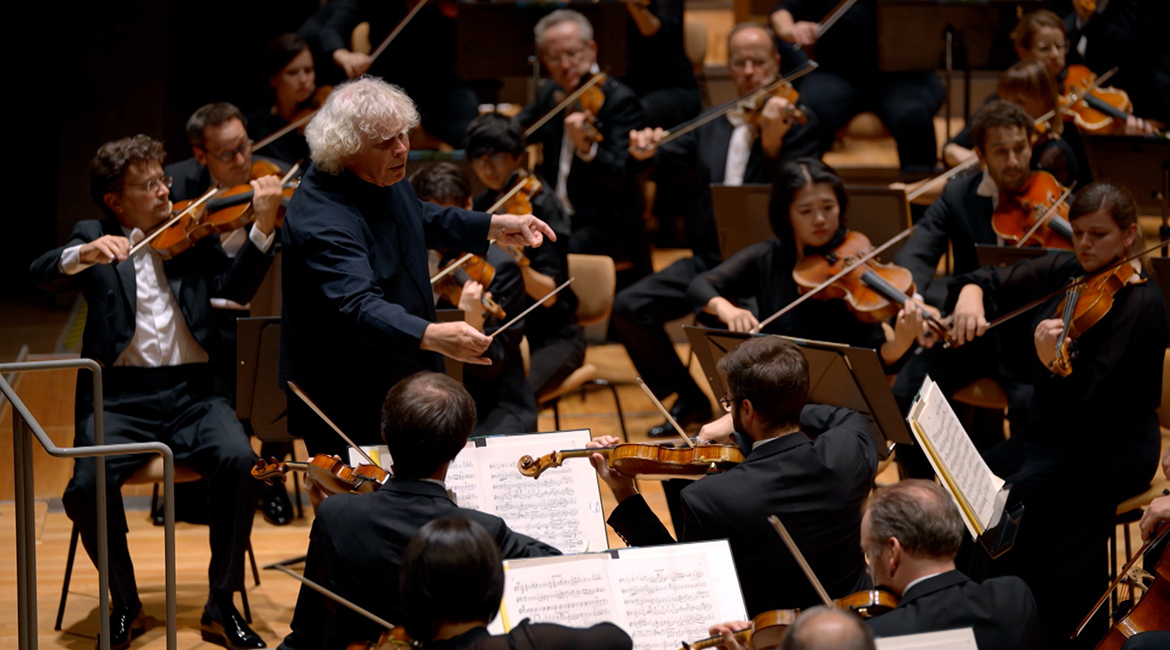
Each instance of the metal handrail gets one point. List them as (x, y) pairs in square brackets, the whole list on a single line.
[(23, 423)]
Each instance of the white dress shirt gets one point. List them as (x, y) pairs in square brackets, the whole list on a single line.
[(739, 149)]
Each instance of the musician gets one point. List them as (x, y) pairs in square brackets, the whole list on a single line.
[(149, 324), (358, 541), (657, 67), (286, 66), (1069, 478), (817, 628), (446, 103), (911, 532), (358, 309), (504, 401), (452, 584), (849, 82), (811, 465), (725, 151), (495, 145), (589, 178), (806, 212)]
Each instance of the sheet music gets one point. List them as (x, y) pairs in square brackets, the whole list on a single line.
[(955, 456), (960, 639), (659, 595)]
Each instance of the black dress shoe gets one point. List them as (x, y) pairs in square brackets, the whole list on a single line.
[(275, 506), (125, 624), (685, 414), (232, 632)]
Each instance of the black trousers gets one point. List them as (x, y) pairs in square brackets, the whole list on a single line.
[(904, 101), (176, 406), (554, 356), (640, 314)]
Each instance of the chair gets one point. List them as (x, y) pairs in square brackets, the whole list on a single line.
[(695, 46), (150, 473), (595, 283)]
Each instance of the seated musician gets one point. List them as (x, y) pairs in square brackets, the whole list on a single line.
[(503, 397), (848, 80), (358, 312), (806, 212), (811, 465), (911, 532), (1092, 439), (286, 66), (727, 151), (817, 628), (358, 542), (452, 584), (589, 177), (657, 67), (1057, 148), (495, 145), (149, 324)]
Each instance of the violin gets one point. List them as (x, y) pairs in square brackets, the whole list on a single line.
[(873, 291), (392, 639), (753, 105), (578, 99), (520, 202), (229, 210), (1151, 611), (330, 474), (1017, 215), (1085, 305), (768, 628), (1100, 110), (450, 286), (645, 461), (590, 102)]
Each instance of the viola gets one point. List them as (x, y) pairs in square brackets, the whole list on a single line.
[(229, 210), (450, 286), (645, 461), (873, 291), (1085, 305), (330, 474), (1017, 215)]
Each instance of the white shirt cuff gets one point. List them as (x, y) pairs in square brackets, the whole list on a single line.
[(262, 241), (590, 155), (70, 262)]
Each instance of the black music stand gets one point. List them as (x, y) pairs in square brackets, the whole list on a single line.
[(839, 375), (741, 215), (989, 255), (1141, 165)]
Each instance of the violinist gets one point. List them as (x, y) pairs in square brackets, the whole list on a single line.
[(817, 628), (150, 326), (286, 66), (849, 82), (727, 151), (504, 401), (911, 532), (452, 584), (811, 465), (1092, 437), (657, 67), (495, 145), (358, 312), (806, 212), (359, 541), (589, 177)]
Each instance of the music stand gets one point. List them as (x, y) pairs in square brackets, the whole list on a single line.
[(741, 215), (989, 255), (839, 375)]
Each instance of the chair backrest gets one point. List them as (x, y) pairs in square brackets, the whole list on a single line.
[(695, 42), (594, 283)]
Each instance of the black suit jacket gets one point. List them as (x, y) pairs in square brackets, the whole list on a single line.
[(601, 190), (193, 178), (1001, 611), (357, 295), (195, 276), (960, 217), (816, 486), (355, 550), (701, 156)]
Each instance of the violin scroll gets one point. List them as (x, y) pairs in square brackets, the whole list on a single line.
[(534, 467)]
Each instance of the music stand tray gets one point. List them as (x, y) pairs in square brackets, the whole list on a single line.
[(839, 375)]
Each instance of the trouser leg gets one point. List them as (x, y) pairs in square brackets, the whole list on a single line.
[(554, 358), (906, 103)]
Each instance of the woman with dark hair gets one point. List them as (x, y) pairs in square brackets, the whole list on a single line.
[(1092, 438), (452, 581), (286, 66), (807, 215)]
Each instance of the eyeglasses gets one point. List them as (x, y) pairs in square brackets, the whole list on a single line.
[(727, 402), (572, 55), (230, 155), (155, 183)]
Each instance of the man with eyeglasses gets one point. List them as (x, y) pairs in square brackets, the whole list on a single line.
[(810, 465), (589, 177), (149, 324), (727, 151)]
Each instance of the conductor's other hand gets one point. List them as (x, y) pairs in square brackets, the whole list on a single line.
[(457, 340)]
